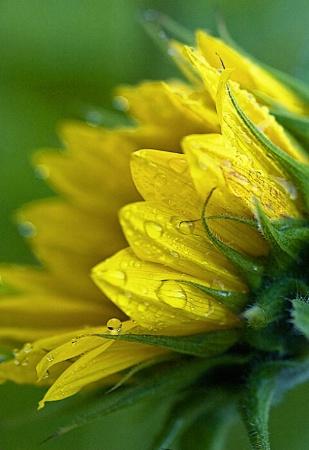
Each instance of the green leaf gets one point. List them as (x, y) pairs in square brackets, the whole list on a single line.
[(164, 380), (235, 301), (256, 402), (297, 125), (300, 315), (251, 269), (213, 408), (271, 304), (284, 245), (202, 345)]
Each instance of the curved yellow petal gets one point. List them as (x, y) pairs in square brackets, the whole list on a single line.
[(157, 297), (248, 74), (249, 171), (157, 235), (109, 358)]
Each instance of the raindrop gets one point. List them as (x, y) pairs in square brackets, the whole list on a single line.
[(74, 341), (289, 188), (160, 180), (217, 284), (183, 226), (41, 171), (172, 294), (121, 103), (114, 325), (153, 229), (178, 165), (24, 362), (15, 352), (50, 357), (142, 307), (116, 277), (27, 348), (46, 375), (27, 229)]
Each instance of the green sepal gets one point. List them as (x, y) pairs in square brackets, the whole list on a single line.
[(255, 404), (235, 301), (168, 378), (300, 316), (284, 239), (271, 304), (251, 269), (203, 345), (267, 382), (298, 172), (161, 28), (297, 125), (214, 409)]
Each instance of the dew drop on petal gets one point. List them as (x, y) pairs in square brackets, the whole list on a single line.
[(15, 352), (74, 341), (117, 277), (178, 165), (121, 103), (41, 171), (114, 325), (27, 229), (27, 348), (183, 226), (172, 293), (50, 357), (46, 375), (24, 362), (153, 229), (160, 180)]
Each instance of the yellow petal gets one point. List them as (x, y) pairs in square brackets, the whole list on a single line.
[(99, 363), (162, 177), (156, 298), (172, 106), (93, 156), (249, 171), (156, 234), (206, 154), (247, 73)]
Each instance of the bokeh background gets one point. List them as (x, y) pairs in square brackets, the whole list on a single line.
[(62, 59)]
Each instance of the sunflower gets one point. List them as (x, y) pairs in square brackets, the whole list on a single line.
[(212, 201)]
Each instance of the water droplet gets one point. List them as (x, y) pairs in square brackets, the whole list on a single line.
[(153, 229), (27, 229), (142, 307), (174, 254), (160, 180), (217, 284), (46, 375), (41, 171), (15, 352), (172, 294), (178, 165), (74, 341), (116, 277), (203, 161), (24, 362), (27, 348), (114, 325), (121, 103), (16, 362), (128, 294), (50, 357), (289, 187), (183, 226)]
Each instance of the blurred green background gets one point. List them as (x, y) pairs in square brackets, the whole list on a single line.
[(62, 59)]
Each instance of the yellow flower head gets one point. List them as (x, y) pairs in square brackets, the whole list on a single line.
[(203, 183)]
